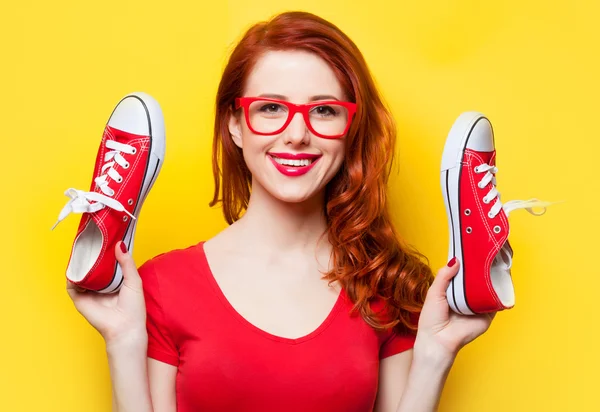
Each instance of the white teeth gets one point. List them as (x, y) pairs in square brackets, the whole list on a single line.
[(289, 162)]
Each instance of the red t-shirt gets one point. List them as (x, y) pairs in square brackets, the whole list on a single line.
[(227, 364)]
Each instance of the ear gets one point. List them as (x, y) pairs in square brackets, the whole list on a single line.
[(235, 128)]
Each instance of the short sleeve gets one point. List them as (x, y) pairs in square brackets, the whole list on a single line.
[(160, 341), (395, 343)]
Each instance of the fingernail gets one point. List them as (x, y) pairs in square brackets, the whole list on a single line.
[(452, 262), (123, 247)]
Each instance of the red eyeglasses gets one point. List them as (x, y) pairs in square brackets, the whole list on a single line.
[(327, 119)]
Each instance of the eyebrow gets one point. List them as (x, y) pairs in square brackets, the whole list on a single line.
[(312, 99), (323, 97)]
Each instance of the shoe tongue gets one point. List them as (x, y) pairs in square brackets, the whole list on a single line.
[(504, 256), (492, 160), (117, 135), (486, 157)]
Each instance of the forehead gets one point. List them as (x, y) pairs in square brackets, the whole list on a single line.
[(297, 75)]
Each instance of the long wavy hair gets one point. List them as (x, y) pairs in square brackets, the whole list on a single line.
[(371, 262)]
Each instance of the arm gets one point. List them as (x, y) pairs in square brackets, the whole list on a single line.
[(393, 378), (140, 384), (162, 385), (129, 377), (411, 381), (137, 382), (426, 381)]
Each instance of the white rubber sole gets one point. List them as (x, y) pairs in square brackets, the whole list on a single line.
[(155, 160), (450, 181)]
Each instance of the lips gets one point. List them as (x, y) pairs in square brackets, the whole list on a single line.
[(293, 170), (295, 156), (310, 159)]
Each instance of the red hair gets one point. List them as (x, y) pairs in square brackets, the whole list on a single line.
[(371, 262)]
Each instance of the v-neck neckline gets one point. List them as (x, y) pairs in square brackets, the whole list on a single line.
[(221, 296)]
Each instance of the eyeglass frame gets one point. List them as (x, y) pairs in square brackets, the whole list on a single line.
[(245, 102)]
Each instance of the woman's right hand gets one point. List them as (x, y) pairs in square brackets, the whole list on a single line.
[(119, 317)]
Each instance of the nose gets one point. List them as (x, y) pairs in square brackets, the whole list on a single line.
[(297, 131)]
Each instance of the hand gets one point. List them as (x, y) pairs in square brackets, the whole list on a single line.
[(440, 328), (119, 317)]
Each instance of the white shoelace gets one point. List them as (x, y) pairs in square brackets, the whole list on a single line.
[(81, 201), (503, 257), (490, 176)]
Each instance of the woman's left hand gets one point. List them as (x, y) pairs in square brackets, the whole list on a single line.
[(440, 329)]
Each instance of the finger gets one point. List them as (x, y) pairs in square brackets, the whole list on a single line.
[(75, 292), (130, 274), (443, 278), (71, 286)]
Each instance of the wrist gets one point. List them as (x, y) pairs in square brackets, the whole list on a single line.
[(432, 356), (131, 343)]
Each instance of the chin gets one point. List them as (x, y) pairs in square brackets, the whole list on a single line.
[(296, 195), (291, 198)]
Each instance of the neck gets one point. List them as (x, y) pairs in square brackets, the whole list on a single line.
[(271, 226)]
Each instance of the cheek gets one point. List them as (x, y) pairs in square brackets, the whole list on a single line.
[(338, 164), (249, 140), (255, 148), (339, 151), (340, 158)]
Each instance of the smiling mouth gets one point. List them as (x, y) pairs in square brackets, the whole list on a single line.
[(293, 163)]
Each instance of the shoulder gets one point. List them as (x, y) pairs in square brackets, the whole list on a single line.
[(398, 337), (173, 259), (174, 255), (170, 269)]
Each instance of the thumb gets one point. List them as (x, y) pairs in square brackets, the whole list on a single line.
[(443, 278), (130, 274)]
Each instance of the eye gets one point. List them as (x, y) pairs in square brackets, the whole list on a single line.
[(324, 111), (271, 108)]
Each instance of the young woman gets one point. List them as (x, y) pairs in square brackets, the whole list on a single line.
[(308, 301)]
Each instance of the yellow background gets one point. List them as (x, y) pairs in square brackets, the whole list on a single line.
[(531, 66)]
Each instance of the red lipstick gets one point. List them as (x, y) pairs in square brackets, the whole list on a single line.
[(294, 170)]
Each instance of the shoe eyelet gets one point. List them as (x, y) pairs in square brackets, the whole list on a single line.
[(125, 218), (469, 230), (497, 229), (120, 180), (485, 200), (130, 202), (134, 151), (467, 212), (126, 166), (476, 169), (490, 215)]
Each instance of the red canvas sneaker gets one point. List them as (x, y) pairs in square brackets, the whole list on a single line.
[(478, 219), (127, 164)]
